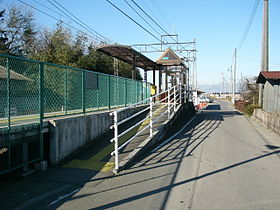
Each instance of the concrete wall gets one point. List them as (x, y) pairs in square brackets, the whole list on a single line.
[(269, 119), (17, 133), (68, 134)]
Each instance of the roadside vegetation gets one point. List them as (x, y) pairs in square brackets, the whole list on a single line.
[(249, 96), (21, 36)]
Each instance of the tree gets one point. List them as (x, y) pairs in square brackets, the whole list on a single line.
[(18, 31), (249, 90), (55, 46), (3, 37)]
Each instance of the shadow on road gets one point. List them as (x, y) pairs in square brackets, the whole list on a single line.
[(172, 154)]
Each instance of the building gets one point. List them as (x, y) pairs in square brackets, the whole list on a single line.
[(271, 91)]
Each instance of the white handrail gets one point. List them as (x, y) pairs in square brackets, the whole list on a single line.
[(129, 140), (129, 129), (175, 91), (129, 118)]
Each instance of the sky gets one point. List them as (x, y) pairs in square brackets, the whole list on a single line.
[(217, 26)]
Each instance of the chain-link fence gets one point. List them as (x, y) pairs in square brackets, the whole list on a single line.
[(31, 91)]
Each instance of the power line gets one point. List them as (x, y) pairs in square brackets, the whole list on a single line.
[(133, 20), (141, 17), (51, 16), (161, 13), (155, 22), (155, 17), (49, 8), (256, 60), (77, 20), (149, 16), (248, 26)]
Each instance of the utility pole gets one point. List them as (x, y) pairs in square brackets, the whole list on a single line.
[(265, 43), (234, 76), (265, 46), (223, 86)]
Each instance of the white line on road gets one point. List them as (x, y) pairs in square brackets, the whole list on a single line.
[(170, 138), (41, 197), (63, 196)]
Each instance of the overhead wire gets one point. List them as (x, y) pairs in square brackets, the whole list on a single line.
[(156, 23), (50, 8), (77, 20), (249, 24), (161, 13), (49, 15), (55, 18), (151, 12), (149, 16), (141, 17), (132, 20), (256, 60)]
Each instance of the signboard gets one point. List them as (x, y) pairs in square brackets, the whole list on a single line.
[(91, 81)]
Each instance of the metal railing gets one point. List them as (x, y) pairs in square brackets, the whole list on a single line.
[(164, 103)]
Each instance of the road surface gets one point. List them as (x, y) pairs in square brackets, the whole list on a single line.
[(220, 161)]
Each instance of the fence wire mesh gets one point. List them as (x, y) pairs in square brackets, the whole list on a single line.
[(31, 91)]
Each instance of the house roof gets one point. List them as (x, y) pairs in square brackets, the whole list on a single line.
[(13, 75), (265, 75), (126, 54)]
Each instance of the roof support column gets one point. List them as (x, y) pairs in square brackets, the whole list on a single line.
[(145, 75), (166, 78), (133, 73), (154, 76), (159, 79)]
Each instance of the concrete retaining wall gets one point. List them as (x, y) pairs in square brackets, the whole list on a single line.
[(68, 134), (268, 119)]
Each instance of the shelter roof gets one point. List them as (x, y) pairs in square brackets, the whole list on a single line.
[(265, 75), (126, 54), (13, 75), (170, 58)]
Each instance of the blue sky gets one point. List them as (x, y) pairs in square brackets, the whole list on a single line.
[(217, 26)]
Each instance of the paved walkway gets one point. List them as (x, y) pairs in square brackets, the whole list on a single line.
[(219, 161)]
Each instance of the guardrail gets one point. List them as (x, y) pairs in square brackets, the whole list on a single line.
[(170, 98)]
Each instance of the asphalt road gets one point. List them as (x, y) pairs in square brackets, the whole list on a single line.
[(220, 161)]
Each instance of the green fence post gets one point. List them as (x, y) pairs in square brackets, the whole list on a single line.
[(125, 92), (118, 92), (41, 98), (136, 82), (9, 110), (142, 91), (65, 91), (109, 87), (84, 91)]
